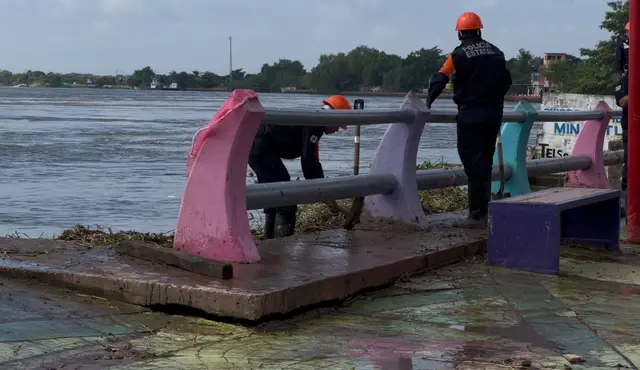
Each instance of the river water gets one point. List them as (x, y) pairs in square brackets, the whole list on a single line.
[(116, 158)]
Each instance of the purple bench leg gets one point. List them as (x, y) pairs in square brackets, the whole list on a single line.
[(595, 225), (524, 237)]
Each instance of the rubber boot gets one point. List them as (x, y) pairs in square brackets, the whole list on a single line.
[(282, 231), (286, 222), (473, 221), (479, 195), (269, 224)]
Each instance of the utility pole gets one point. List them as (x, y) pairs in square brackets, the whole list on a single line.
[(230, 62)]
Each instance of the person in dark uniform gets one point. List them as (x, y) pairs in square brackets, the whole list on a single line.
[(622, 99), (274, 143), (622, 54), (480, 82)]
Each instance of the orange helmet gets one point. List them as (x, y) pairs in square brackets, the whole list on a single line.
[(469, 21), (338, 102), (628, 26)]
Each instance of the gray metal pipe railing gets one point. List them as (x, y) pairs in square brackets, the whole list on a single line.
[(554, 165), (539, 167), (322, 117), (314, 191), (432, 179), (279, 194), (550, 116), (445, 178)]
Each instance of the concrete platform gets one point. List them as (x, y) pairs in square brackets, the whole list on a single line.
[(295, 272)]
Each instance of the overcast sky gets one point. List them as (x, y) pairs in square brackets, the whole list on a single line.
[(102, 36)]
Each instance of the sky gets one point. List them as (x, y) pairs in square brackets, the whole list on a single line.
[(105, 36)]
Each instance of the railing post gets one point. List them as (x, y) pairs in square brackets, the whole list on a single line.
[(515, 139), (397, 154), (590, 143), (213, 221)]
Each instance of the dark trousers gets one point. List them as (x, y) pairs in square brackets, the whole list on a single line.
[(476, 147), (625, 145), (268, 167)]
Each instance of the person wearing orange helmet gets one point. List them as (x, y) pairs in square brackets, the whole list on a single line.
[(272, 144), (622, 52), (480, 82), (337, 102)]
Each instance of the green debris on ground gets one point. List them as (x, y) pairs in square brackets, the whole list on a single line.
[(311, 217)]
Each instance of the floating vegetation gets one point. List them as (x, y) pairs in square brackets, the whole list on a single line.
[(311, 217)]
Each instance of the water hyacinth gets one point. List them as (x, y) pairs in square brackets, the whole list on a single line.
[(311, 217)]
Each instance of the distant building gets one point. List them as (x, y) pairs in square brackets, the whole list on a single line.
[(554, 57), (538, 80)]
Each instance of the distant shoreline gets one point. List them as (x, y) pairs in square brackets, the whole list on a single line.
[(535, 99), (531, 98), (77, 86)]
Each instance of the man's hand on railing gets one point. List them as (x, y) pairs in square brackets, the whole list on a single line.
[(335, 207)]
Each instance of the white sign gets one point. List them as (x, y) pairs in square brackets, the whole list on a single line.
[(557, 138)]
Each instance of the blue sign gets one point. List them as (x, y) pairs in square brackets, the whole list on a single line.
[(571, 129)]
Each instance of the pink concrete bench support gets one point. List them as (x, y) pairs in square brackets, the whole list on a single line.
[(397, 155), (590, 143), (213, 221)]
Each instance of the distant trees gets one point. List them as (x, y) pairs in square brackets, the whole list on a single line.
[(366, 68), (594, 73)]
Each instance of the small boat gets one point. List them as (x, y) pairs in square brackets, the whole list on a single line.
[(173, 87)]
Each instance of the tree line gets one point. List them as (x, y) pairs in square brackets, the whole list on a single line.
[(361, 69), (593, 72), (368, 69)]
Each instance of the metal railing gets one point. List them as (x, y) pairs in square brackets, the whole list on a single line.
[(280, 194), (213, 219), (323, 117)]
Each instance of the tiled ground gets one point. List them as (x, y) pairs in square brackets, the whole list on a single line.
[(465, 317)]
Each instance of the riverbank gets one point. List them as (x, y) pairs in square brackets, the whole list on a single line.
[(311, 217), (76, 86), (511, 98), (530, 98)]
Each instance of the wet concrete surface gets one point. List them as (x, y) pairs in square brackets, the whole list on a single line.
[(294, 273), (465, 316)]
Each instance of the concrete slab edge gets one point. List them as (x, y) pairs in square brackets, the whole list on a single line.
[(242, 305)]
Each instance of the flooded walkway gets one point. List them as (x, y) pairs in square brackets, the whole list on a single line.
[(466, 316)]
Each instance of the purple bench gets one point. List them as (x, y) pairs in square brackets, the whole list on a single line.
[(526, 232)]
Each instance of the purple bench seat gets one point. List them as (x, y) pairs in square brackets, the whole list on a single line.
[(525, 232)]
